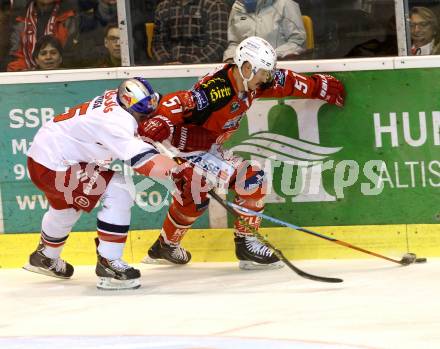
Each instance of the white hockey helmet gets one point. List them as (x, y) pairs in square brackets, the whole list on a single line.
[(136, 94), (258, 52)]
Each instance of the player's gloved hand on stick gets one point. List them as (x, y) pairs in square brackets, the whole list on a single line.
[(329, 89)]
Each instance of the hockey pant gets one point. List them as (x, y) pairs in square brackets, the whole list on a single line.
[(249, 185)]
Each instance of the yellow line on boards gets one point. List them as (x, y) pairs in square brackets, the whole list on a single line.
[(217, 245)]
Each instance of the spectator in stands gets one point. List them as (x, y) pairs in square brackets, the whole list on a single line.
[(141, 12), (277, 21), (376, 47), (96, 14), (190, 31), (425, 39), (42, 17), (5, 13), (113, 47), (48, 53)]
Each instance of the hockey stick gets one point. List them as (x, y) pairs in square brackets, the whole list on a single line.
[(261, 238), (173, 154), (407, 259)]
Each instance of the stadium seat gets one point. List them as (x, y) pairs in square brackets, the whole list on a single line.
[(308, 26), (149, 30)]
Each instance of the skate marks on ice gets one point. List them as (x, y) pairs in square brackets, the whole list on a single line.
[(218, 278), (195, 278), (378, 306), (164, 342)]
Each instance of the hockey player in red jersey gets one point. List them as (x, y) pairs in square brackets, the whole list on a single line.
[(69, 160), (202, 119)]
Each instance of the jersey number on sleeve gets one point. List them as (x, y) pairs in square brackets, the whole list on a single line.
[(174, 101), (80, 109)]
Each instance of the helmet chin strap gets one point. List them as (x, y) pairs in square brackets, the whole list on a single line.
[(245, 81)]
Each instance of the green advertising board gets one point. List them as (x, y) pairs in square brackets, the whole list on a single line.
[(372, 162), (26, 107)]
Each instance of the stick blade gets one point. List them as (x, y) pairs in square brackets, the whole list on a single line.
[(306, 275), (319, 278), (408, 258)]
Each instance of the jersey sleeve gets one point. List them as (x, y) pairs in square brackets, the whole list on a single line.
[(175, 106), (289, 84), (119, 138)]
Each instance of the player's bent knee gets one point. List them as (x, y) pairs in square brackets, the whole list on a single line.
[(117, 202), (58, 223)]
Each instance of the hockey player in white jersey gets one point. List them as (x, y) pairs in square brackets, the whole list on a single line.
[(68, 161)]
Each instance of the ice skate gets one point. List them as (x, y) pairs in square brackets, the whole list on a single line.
[(116, 274), (254, 255), (163, 253), (56, 267)]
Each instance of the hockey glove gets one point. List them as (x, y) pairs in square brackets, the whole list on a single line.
[(156, 129), (189, 138), (329, 89)]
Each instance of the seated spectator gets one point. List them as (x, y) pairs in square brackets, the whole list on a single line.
[(5, 13), (95, 14), (141, 12), (378, 48), (424, 32), (193, 31), (113, 47), (277, 21), (42, 17), (48, 53)]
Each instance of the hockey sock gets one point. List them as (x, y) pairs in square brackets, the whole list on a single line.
[(112, 238)]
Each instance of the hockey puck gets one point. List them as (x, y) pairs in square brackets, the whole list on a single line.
[(420, 260)]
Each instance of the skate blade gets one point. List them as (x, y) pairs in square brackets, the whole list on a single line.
[(42, 271), (249, 265), (157, 261), (108, 283)]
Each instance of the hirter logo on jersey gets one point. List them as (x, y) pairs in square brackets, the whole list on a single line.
[(200, 98)]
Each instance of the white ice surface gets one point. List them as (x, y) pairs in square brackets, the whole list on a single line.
[(217, 306)]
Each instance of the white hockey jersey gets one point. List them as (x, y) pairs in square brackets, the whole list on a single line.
[(98, 131)]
